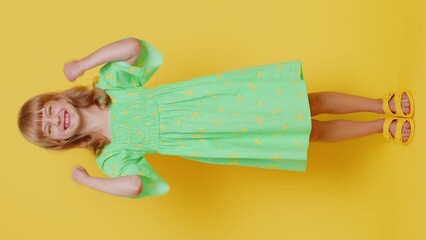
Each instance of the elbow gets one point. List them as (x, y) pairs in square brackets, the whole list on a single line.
[(136, 184), (134, 47)]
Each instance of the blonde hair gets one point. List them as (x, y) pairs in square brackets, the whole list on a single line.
[(30, 118)]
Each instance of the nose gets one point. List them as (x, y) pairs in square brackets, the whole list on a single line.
[(55, 120)]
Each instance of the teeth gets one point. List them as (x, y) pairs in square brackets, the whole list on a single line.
[(67, 120)]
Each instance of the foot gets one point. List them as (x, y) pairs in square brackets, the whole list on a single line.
[(406, 130), (405, 104)]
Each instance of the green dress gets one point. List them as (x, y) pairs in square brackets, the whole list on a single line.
[(255, 117)]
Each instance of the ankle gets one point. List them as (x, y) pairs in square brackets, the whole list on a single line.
[(379, 106), (380, 125)]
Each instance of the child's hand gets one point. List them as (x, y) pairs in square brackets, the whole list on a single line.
[(79, 174), (73, 70)]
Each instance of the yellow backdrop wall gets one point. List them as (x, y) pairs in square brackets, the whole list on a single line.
[(360, 189)]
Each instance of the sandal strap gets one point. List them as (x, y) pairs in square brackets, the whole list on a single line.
[(386, 128), (398, 103), (399, 127), (385, 103), (398, 132), (411, 100), (410, 138)]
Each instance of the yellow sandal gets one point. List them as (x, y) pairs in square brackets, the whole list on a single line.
[(398, 132), (397, 96)]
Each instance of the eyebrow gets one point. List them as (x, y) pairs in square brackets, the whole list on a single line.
[(42, 118)]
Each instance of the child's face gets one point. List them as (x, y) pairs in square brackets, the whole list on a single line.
[(60, 120)]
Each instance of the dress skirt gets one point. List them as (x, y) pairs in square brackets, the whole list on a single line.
[(255, 117)]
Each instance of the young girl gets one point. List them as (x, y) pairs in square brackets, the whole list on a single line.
[(257, 117)]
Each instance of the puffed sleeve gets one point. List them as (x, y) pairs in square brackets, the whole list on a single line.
[(122, 162), (119, 74)]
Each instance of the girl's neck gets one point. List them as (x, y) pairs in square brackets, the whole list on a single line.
[(95, 121)]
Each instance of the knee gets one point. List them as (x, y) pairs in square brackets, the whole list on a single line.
[(315, 131), (314, 103)]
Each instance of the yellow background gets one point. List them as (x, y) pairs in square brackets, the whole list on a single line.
[(360, 189)]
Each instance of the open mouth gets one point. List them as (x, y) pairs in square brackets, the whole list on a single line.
[(67, 120)]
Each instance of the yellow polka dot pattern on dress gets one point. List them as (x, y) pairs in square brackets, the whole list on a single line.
[(254, 113)]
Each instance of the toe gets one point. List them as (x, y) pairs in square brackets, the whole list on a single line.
[(405, 103), (406, 131)]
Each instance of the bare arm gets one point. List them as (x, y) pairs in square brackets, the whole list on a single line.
[(127, 186), (124, 50)]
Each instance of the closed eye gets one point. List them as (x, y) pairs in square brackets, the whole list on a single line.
[(47, 130)]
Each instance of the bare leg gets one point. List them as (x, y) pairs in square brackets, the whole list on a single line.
[(340, 103), (339, 130)]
